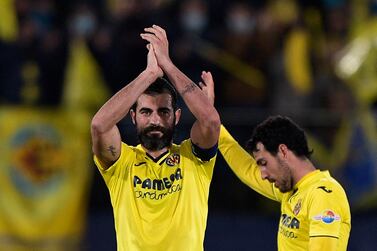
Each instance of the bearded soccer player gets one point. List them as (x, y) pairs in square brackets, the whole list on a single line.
[(315, 213), (158, 190)]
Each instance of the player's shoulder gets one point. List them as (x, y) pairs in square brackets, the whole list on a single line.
[(130, 152), (327, 185), (184, 145), (328, 194)]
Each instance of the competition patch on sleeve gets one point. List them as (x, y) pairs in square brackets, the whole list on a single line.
[(327, 217)]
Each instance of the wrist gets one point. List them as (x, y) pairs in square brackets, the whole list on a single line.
[(150, 75), (167, 65)]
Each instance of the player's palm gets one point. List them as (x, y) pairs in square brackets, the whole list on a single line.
[(156, 36), (152, 64)]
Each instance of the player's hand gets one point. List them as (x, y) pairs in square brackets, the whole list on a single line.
[(156, 36), (208, 86), (152, 65)]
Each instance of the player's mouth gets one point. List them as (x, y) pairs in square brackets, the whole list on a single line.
[(155, 133)]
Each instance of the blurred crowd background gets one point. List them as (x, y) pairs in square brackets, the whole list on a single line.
[(315, 61)]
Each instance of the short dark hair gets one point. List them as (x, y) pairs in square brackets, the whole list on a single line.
[(276, 130), (161, 85)]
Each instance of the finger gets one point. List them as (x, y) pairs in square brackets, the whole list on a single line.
[(150, 30), (207, 77), (157, 32), (160, 30), (207, 73), (151, 47), (148, 46), (150, 50), (149, 37), (201, 85)]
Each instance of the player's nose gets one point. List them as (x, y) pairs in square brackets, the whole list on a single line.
[(264, 174), (155, 119)]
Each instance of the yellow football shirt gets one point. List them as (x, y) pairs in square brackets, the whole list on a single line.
[(317, 207), (159, 205)]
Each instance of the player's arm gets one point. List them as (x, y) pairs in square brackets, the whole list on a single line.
[(106, 140), (205, 131), (245, 166), (328, 213), (240, 161)]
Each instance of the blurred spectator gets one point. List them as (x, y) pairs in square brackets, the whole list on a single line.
[(291, 70), (239, 39), (192, 29), (117, 42), (43, 46)]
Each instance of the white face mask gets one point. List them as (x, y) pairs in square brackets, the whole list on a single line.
[(194, 21), (241, 24)]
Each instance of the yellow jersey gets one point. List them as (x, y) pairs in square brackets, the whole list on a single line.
[(316, 207), (159, 204)]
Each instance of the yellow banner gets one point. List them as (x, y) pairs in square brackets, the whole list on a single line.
[(45, 173)]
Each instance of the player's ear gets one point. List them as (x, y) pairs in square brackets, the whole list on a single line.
[(283, 150), (177, 116), (133, 116)]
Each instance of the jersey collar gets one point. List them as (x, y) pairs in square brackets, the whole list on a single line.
[(307, 179), (160, 159)]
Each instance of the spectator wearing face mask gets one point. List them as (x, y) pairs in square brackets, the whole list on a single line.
[(240, 22), (192, 28)]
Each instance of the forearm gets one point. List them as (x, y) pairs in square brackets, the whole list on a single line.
[(195, 99), (119, 105)]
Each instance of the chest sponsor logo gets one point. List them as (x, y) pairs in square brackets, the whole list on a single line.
[(156, 189), (327, 216), (289, 221), (297, 207), (173, 159), (286, 224)]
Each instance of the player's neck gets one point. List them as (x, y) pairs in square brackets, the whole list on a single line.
[(302, 168)]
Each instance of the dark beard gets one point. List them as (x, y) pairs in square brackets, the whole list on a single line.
[(154, 142), (287, 181)]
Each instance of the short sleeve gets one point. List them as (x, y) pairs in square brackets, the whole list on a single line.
[(118, 169), (328, 208)]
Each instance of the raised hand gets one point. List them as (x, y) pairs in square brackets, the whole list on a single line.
[(152, 62), (156, 36), (208, 86)]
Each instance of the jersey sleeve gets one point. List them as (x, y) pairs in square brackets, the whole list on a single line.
[(115, 173), (320, 243), (204, 154), (245, 166), (328, 210), (205, 166)]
